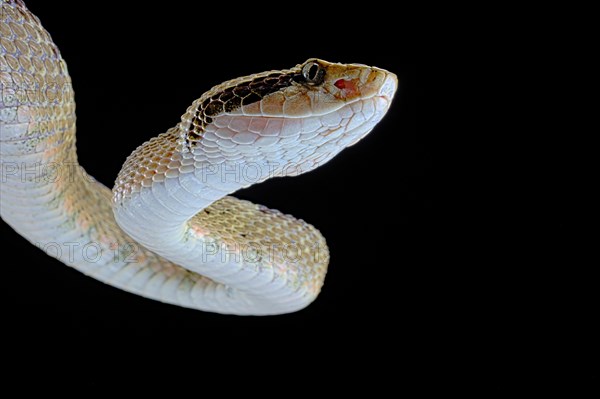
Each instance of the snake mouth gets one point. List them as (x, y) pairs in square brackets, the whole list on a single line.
[(384, 84), (389, 86)]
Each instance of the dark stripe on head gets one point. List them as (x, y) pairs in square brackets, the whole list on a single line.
[(232, 98)]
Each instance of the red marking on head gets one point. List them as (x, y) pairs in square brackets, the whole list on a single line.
[(340, 84), (348, 88)]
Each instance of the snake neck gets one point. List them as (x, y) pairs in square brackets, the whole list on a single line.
[(168, 159)]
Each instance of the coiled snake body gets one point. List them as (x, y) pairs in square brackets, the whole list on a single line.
[(168, 231)]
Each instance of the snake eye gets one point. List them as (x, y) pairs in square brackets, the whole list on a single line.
[(313, 73)]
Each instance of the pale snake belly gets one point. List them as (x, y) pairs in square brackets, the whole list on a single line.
[(168, 230)]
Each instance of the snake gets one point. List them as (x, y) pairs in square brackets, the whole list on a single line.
[(169, 229)]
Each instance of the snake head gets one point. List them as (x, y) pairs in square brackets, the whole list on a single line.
[(316, 88), (332, 106), (298, 118)]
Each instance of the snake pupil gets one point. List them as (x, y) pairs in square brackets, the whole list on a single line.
[(312, 72)]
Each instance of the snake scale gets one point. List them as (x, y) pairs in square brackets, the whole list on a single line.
[(168, 230)]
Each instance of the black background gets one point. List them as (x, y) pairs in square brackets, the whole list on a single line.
[(135, 72)]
